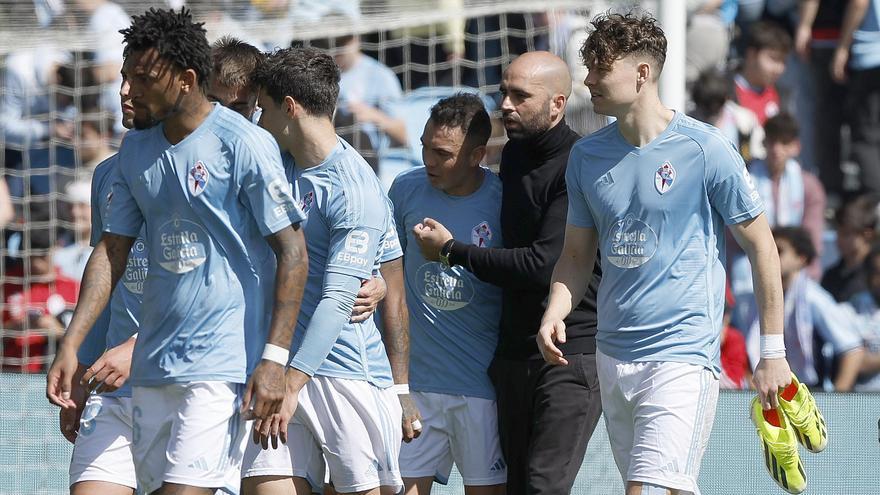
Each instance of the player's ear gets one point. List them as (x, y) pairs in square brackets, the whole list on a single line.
[(477, 154), (291, 108), (188, 81), (644, 73)]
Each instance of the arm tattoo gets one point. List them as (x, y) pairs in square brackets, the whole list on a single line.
[(395, 320), (290, 278), (103, 270)]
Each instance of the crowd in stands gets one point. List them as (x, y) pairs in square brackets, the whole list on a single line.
[(794, 85)]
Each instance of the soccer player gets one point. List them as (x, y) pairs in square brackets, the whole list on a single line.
[(232, 63), (652, 192), (339, 379), (102, 459), (546, 414), (454, 315), (207, 186)]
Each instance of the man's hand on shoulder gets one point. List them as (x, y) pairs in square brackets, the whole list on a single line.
[(431, 236)]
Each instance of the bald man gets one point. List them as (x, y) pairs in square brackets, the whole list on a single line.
[(546, 413)]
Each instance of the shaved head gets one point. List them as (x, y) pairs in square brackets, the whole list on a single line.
[(535, 88), (544, 69)]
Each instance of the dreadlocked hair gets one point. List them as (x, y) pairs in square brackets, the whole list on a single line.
[(175, 36)]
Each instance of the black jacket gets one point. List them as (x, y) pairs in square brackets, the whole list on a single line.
[(533, 215)]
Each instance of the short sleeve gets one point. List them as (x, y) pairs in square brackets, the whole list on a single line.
[(391, 245), (579, 213), (264, 187), (355, 233), (395, 195), (732, 192), (121, 213), (96, 200)]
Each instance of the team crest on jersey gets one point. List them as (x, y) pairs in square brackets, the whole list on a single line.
[(305, 204), (664, 177), (481, 235), (197, 178)]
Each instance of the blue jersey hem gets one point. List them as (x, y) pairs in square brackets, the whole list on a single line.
[(749, 215), (660, 358), (158, 382), (357, 376), (415, 387)]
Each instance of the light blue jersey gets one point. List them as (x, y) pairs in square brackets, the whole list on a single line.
[(454, 315), (347, 221), (121, 319), (206, 204), (660, 212)]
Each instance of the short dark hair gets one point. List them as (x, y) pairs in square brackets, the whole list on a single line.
[(617, 35), (39, 240), (307, 75), (711, 91), (175, 36), (464, 111), (234, 61), (767, 35), (799, 239), (859, 213), (782, 128)]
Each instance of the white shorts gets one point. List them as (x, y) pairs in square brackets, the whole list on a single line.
[(102, 451), (351, 425), (659, 416), (189, 434), (455, 429)]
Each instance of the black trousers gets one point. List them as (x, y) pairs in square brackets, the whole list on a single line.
[(865, 125), (546, 415)]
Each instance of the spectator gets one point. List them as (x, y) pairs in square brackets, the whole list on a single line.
[(94, 145), (40, 310), (792, 196), (711, 95), (816, 38), (708, 35), (546, 413), (367, 91), (25, 120), (71, 260), (735, 371), (859, 51), (24, 113), (856, 231), (809, 309), (767, 47), (233, 61), (7, 212), (868, 305), (104, 20)]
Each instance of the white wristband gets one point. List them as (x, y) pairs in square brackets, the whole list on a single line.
[(276, 354), (400, 388), (772, 346)]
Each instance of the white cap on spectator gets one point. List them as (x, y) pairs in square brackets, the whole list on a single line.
[(79, 192)]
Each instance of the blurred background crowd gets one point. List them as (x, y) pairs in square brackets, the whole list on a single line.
[(794, 85)]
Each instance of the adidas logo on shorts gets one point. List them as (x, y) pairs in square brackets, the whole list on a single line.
[(499, 465)]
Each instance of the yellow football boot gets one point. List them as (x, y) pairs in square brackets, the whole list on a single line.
[(780, 451), (804, 416)]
